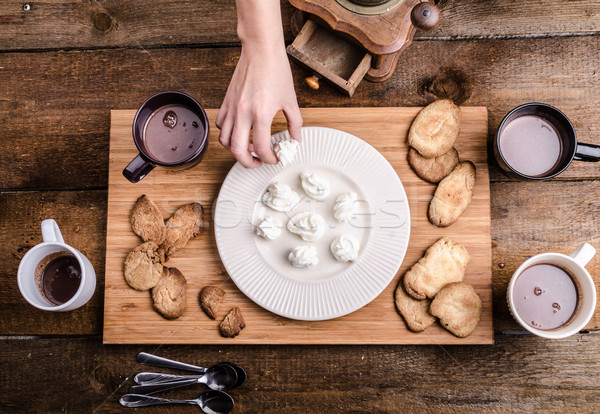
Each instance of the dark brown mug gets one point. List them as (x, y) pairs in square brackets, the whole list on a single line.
[(568, 149), (161, 125)]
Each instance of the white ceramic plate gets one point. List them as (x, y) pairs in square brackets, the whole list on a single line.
[(260, 267)]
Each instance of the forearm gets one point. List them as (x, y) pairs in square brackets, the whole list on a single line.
[(259, 25)]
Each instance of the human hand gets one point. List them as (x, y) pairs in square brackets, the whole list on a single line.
[(261, 85)]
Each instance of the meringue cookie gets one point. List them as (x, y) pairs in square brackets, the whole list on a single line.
[(280, 197), (270, 228), (345, 248), (315, 186), (308, 225), (303, 256), (345, 207), (286, 150)]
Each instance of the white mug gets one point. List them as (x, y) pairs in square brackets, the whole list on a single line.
[(53, 242), (574, 264)]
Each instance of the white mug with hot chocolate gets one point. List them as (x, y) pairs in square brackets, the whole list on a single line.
[(552, 295), (54, 276)]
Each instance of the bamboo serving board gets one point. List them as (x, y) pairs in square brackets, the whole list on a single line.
[(129, 317)]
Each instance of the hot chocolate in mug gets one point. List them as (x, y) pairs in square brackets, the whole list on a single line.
[(536, 141), (552, 295), (54, 276)]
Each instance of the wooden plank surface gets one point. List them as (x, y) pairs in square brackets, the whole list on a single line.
[(60, 24), (520, 373), (57, 101), (128, 314), (489, 73)]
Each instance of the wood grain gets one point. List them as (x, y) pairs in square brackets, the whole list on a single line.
[(492, 73), (518, 373), (129, 317), (60, 24), (507, 19)]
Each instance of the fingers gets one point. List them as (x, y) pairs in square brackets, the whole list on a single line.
[(238, 145), (225, 124), (221, 116), (261, 141), (225, 134), (294, 121)]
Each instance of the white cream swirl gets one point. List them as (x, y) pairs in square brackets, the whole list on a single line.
[(286, 150), (345, 207), (308, 225), (345, 248), (280, 197), (303, 256), (269, 228), (315, 186)]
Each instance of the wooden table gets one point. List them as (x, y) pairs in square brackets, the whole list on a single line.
[(65, 65)]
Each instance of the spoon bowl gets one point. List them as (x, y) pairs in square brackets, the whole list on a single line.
[(241, 373)]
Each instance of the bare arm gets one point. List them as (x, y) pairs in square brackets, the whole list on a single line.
[(261, 85)]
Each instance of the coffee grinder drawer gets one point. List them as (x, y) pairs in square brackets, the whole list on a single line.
[(333, 58)]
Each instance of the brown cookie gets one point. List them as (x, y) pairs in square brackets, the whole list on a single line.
[(458, 307), (184, 224), (432, 169), (435, 129), (168, 296), (147, 220), (233, 323), (444, 262), (210, 299), (415, 312), (143, 266), (453, 195)]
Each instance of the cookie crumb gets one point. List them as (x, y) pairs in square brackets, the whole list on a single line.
[(210, 299), (233, 323)]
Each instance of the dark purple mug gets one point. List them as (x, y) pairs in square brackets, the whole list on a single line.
[(169, 130), (536, 141)]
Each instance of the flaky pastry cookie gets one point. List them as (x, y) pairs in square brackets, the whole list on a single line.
[(444, 262)]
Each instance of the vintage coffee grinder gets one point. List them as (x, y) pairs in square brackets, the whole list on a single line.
[(343, 41)]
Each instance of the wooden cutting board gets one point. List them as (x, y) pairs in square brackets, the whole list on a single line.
[(128, 314)]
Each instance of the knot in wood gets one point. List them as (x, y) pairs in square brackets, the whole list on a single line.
[(102, 21), (449, 84), (101, 378)]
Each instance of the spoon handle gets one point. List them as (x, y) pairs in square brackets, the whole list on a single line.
[(163, 386), (144, 378), (149, 359), (136, 400)]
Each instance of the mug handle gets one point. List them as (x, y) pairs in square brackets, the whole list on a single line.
[(587, 152), (51, 232), (137, 169), (583, 254)]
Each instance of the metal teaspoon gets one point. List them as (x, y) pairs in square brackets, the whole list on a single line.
[(145, 378), (218, 377), (149, 359), (211, 402)]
